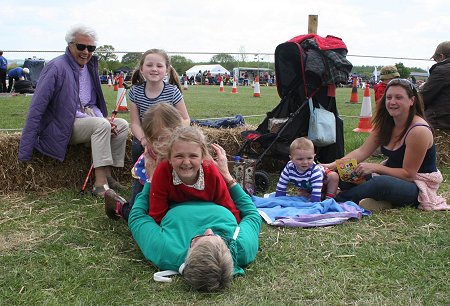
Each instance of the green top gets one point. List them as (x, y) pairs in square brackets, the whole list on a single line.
[(166, 245)]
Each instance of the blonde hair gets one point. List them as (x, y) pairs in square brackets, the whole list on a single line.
[(301, 143), (189, 134), (209, 266), (158, 122), (174, 79)]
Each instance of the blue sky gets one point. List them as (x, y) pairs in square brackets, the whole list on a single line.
[(403, 29)]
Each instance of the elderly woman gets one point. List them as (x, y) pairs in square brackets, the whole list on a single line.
[(68, 107), (201, 240)]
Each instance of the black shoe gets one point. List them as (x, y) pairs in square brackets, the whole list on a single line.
[(113, 204)]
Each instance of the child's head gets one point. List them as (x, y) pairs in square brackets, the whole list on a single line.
[(159, 121), (302, 153), (159, 60), (186, 150)]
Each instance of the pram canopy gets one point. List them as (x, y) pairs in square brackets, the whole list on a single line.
[(305, 66)]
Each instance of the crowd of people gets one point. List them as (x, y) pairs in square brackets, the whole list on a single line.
[(187, 213)]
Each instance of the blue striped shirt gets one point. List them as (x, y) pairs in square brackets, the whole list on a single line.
[(311, 180), (170, 94)]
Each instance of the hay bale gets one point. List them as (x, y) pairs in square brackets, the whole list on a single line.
[(442, 140), (44, 174)]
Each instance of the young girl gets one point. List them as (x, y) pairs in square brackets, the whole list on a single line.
[(148, 90), (158, 124), (188, 174)]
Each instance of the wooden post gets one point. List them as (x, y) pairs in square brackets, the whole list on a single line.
[(312, 24)]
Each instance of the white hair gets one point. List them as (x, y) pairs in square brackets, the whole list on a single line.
[(80, 29)]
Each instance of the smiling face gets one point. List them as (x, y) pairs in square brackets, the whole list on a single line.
[(186, 159), (154, 68), (81, 57), (397, 101), (302, 158)]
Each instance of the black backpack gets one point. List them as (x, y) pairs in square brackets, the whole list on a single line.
[(23, 86)]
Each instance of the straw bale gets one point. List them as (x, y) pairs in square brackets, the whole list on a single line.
[(44, 174), (442, 140)]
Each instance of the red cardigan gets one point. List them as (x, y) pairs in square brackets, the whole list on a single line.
[(163, 192)]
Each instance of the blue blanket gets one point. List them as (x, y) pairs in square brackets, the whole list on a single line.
[(294, 211)]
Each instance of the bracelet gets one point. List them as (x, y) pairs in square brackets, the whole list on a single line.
[(231, 183)]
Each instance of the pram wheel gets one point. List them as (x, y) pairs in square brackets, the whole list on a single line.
[(262, 181)]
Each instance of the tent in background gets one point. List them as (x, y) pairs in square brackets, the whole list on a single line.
[(213, 68)]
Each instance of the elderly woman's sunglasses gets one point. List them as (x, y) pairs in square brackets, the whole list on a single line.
[(81, 47)]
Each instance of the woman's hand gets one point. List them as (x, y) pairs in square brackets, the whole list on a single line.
[(113, 127), (364, 169), (331, 166), (221, 161)]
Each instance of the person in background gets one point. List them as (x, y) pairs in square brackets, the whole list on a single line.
[(68, 107), (148, 89), (309, 177), (406, 139), (387, 73), (436, 91), (3, 68), (15, 75)]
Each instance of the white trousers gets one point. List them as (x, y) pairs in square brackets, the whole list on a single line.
[(107, 149)]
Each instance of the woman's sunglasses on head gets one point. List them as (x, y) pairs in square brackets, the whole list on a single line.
[(404, 82), (81, 47)]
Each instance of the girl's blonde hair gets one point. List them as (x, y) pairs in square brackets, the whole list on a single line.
[(189, 134), (137, 78), (158, 122)]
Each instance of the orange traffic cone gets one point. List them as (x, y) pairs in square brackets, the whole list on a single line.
[(116, 84), (122, 91), (221, 89), (185, 86), (365, 117), (256, 89), (354, 96), (234, 89)]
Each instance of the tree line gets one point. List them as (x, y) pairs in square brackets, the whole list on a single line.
[(109, 60)]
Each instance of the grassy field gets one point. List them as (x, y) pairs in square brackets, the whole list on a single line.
[(60, 248)]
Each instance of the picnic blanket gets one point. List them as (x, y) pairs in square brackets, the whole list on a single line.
[(296, 211)]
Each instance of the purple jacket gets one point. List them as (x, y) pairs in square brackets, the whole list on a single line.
[(50, 119)]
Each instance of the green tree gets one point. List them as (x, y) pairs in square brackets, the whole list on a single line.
[(180, 63), (132, 59), (404, 71), (106, 53), (226, 60)]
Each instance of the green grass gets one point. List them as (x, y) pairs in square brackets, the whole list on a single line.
[(60, 248)]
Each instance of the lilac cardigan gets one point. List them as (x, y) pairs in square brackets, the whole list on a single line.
[(50, 119)]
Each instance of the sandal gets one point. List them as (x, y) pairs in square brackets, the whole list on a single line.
[(112, 183), (113, 204), (99, 191)]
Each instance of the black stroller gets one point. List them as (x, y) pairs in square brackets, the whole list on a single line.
[(307, 66)]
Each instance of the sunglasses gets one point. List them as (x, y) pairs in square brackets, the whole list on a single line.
[(403, 82), (81, 47), (205, 235)]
